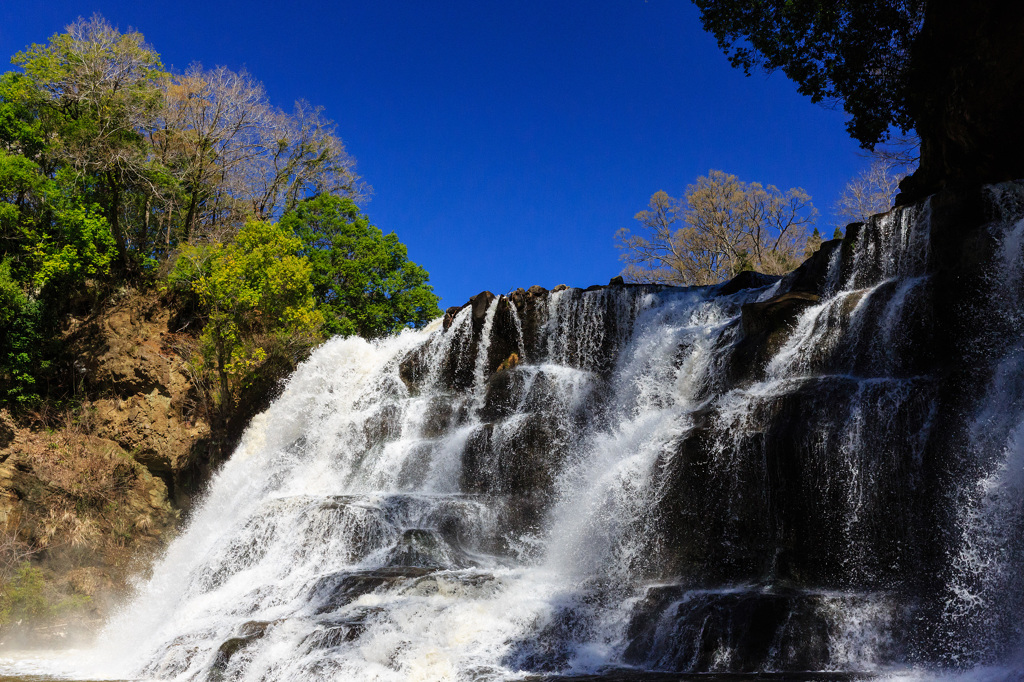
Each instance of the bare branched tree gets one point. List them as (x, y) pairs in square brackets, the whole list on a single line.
[(301, 157), (214, 123), (874, 189), (719, 228), (237, 157)]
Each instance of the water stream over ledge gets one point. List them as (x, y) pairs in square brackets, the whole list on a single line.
[(814, 479)]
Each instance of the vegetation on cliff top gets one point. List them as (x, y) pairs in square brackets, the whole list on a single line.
[(171, 245), (116, 172)]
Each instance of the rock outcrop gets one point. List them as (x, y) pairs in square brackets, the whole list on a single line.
[(90, 492)]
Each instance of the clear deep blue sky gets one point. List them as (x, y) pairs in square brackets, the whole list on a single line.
[(506, 142)]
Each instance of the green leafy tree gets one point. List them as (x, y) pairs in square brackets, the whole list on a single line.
[(19, 340), (850, 51), (363, 280), (22, 128), (100, 90), (21, 185), (77, 243), (254, 290), (940, 67)]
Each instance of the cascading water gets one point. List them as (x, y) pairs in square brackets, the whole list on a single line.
[(818, 474)]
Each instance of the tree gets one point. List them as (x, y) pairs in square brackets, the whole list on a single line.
[(19, 340), (851, 51), (301, 157), (77, 246), (237, 157), (21, 185), (257, 288), (213, 124), (870, 192), (721, 227), (363, 281), (940, 67), (100, 89)]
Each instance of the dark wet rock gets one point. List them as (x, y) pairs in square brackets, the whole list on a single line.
[(425, 548), (767, 318), (449, 316), (479, 304), (518, 457), (248, 634), (412, 370), (505, 337), (334, 591), (812, 275), (441, 416), (758, 496), (748, 279), (765, 328), (383, 425), (333, 632), (737, 630)]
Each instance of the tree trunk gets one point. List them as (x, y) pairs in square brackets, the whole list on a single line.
[(964, 91), (190, 216)]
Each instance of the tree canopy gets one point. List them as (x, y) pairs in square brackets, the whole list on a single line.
[(253, 290), (940, 67), (363, 281), (855, 52), (719, 228), (115, 171)]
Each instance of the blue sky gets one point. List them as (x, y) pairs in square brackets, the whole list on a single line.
[(506, 142)]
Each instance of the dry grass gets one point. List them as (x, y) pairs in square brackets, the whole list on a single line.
[(93, 475), (14, 551)]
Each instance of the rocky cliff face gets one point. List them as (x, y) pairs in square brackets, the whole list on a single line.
[(89, 493)]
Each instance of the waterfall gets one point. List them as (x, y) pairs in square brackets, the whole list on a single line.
[(822, 473)]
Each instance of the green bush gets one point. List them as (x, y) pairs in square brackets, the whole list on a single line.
[(23, 598), (363, 280), (19, 341), (253, 290)]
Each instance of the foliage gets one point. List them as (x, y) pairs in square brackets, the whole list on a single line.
[(21, 596), (19, 340), (258, 285), (852, 51), (99, 89), (169, 159), (362, 279), (21, 183), (113, 169), (721, 227), (78, 246)]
